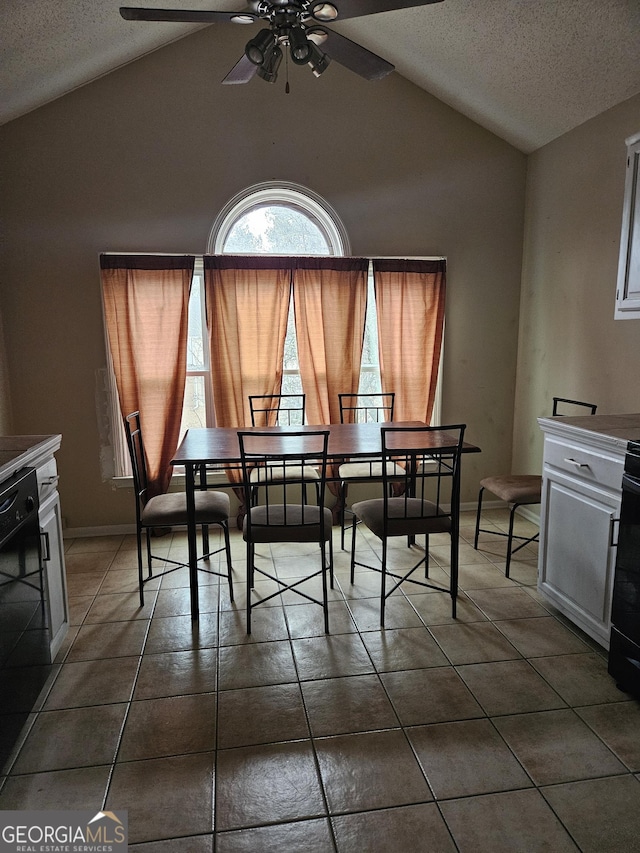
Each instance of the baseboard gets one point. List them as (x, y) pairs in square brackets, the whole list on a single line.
[(106, 530), (130, 529)]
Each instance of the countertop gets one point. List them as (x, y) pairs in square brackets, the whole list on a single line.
[(613, 431), (21, 451)]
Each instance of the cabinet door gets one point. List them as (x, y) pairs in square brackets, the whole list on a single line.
[(577, 558), (53, 552)]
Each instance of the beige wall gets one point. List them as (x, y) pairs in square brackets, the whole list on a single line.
[(5, 396), (569, 343), (144, 159)]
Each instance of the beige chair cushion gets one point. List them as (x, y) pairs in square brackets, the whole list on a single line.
[(406, 518), (171, 510), (276, 474), (268, 523), (368, 470), (515, 488)]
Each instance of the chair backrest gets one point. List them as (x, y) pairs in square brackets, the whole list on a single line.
[(429, 459), (284, 457), (566, 402), (366, 408), (277, 409), (135, 444)]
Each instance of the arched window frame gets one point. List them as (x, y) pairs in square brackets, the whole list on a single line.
[(283, 193)]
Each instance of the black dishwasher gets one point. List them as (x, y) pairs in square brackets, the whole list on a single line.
[(25, 660), (624, 649)]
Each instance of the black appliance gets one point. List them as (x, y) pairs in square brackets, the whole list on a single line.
[(25, 658), (624, 649)]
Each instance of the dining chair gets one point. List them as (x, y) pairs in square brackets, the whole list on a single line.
[(277, 409), (170, 510), (426, 501), (357, 409), (520, 490), (287, 516), (285, 410)]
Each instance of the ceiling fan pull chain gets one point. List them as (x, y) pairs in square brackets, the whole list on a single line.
[(286, 69)]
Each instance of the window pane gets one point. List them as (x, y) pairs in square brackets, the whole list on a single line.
[(195, 343), (194, 412), (276, 230)]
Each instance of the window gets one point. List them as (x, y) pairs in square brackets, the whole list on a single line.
[(278, 219), (272, 218)]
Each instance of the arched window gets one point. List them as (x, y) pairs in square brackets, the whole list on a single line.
[(278, 218)]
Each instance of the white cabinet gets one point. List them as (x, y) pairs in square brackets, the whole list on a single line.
[(54, 570), (37, 451), (581, 495)]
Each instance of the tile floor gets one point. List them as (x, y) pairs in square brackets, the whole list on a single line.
[(500, 731)]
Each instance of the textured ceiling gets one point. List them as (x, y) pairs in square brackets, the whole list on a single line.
[(528, 70)]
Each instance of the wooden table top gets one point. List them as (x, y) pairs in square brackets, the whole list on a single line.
[(219, 445)]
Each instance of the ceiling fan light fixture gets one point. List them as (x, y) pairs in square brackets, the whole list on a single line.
[(258, 47), (317, 35), (325, 12), (319, 61), (242, 19), (269, 69), (299, 46)]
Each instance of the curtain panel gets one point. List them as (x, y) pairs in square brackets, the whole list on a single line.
[(146, 302), (247, 304), (410, 303), (330, 303)]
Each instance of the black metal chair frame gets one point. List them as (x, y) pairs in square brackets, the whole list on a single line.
[(426, 470), (530, 501), (135, 444), (353, 409), (270, 409), (271, 521)]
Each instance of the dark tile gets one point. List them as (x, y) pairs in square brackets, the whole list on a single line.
[(261, 715), (372, 770), (165, 797), (169, 726), (311, 835), (256, 665), (465, 758), (271, 783), (177, 673), (351, 704), (600, 814), (512, 822), (331, 656), (418, 829), (422, 696), (94, 682), (556, 746), (509, 687)]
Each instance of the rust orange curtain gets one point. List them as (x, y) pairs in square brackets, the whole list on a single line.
[(410, 301), (247, 302), (330, 302), (146, 302)]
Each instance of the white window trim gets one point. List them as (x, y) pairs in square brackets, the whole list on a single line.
[(280, 192)]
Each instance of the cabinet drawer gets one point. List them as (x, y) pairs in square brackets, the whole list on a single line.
[(47, 475), (593, 466)]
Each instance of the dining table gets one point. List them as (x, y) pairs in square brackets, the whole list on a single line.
[(219, 448)]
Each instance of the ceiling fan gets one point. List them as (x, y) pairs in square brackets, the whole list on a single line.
[(300, 26)]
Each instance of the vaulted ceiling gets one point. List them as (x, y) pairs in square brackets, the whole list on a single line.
[(528, 70)]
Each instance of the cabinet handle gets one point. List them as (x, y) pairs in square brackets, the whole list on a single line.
[(612, 524), (575, 462), (50, 481), (46, 550)]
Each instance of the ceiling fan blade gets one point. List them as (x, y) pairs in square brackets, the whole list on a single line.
[(242, 72), (355, 57), (130, 13), (358, 8)]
